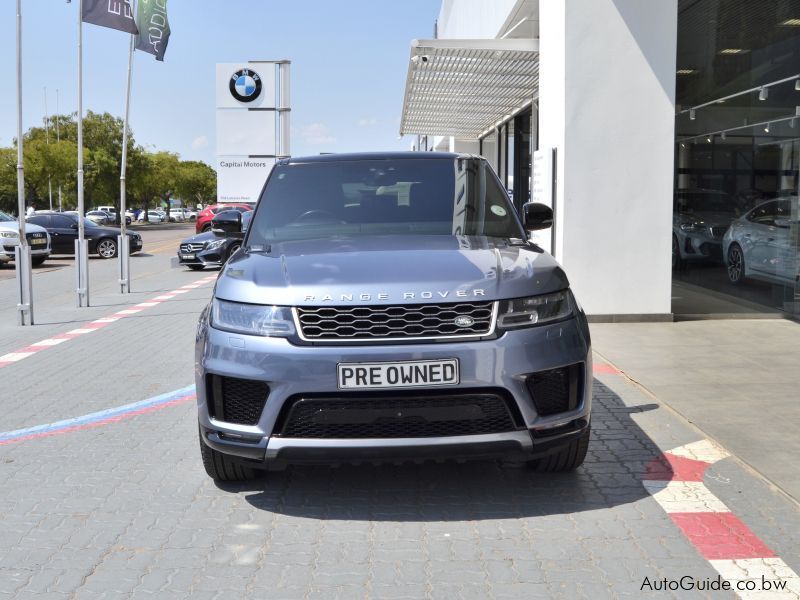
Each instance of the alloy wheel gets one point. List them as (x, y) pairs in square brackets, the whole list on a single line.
[(735, 264), (107, 248)]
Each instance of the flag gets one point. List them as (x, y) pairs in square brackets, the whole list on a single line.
[(116, 14), (151, 16)]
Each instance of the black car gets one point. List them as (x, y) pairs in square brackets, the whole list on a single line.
[(63, 230), (214, 247)]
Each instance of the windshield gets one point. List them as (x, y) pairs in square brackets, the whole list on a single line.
[(414, 196), (6, 217), (703, 201)]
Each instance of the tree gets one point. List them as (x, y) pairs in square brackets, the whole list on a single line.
[(8, 180), (196, 182), (152, 177)]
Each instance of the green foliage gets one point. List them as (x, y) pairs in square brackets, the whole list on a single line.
[(152, 177)]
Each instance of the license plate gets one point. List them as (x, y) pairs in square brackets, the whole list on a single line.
[(38, 241), (187, 256), (416, 373)]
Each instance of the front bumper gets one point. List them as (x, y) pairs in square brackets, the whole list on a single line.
[(7, 251), (292, 370), (206, 258)]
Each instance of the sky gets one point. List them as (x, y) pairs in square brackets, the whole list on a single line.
[(349, 62)]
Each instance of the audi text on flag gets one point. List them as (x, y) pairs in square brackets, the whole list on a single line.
[(151, 15), (116, 14)]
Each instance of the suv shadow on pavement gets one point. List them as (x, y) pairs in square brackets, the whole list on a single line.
[(476, 490)]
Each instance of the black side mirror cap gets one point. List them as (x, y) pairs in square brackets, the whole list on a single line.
[(227, 221), (536, 216)]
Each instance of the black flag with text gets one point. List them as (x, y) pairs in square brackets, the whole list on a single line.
[(116, 14)]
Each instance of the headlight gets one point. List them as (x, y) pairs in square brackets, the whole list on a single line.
[(252, 319), (536, 310), (213, 245), (693, 227), (9, 234)]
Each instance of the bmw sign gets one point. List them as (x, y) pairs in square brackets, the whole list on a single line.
[(245, 85)]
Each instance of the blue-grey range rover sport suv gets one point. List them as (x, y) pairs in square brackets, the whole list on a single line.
[(390, 307)]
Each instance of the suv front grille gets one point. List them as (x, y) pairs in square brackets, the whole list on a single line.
[(192, 247), (555, 391), (233, 400), (405, 416), (397, 321)]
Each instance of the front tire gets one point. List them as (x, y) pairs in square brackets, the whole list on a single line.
[(107, 248), (567, 459), (735, 264), (232, 250), (221, 468)]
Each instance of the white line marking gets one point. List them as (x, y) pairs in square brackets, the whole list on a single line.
[(15, 356), (80, 331), (759, 570), (704, 450), (50, 342), (684, 496)]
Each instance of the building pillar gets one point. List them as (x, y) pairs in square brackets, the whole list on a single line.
[(606, 103)]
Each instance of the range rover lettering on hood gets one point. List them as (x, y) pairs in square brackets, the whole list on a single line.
[(385, 296)]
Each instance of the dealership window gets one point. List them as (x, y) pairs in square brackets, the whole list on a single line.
[(736, 219)]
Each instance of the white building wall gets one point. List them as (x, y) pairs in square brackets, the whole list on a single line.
[(606, 102), (473, 19)]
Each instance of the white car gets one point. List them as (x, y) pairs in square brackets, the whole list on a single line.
[(177, 214), (38, 239), (153, 216), (762, 243)]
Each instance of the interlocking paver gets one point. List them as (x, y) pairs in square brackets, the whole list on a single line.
[(125, 510)]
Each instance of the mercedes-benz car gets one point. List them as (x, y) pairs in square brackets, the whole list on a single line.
[(391, 307), (214, 247), (762, 243), (700, 219), (38, 240)]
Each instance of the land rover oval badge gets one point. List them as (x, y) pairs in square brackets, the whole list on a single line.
[(464, 321), (245, 85)]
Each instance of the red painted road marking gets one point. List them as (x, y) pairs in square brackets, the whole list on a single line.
[(601, 367), (675, 480), (23, 353), (721, 535)]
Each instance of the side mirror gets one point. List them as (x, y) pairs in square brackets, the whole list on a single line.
[(536, 216), (74, 226), (227, 221)]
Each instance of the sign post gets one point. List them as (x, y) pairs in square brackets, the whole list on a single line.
[(123, 247), (252, 126), (542, 192)]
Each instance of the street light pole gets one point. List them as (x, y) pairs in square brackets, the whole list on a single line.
[(58, 139), (47, 141), (22, 252), (81, 247)]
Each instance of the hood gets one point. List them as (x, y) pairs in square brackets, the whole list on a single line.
[(206, 236), (389, 270), (707, 217), (29, 227)]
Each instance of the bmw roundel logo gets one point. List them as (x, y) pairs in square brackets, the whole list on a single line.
[(245, 85)]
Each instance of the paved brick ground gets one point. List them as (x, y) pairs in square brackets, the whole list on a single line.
[(125, 510)]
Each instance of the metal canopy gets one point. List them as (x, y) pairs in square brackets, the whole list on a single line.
[(464, 87)]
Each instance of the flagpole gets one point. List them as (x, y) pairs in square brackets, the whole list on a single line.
[(47, 141), (58, 139), (81, 249), (123, 249), (22, 250)]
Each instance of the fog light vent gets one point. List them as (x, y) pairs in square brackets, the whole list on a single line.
[(555, 391), (233, 400)]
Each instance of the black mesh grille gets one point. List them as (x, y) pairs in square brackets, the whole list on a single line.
[(237, 401), (396, 321), (555, 391), (397, 417)]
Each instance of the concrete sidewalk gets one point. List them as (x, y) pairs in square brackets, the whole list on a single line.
[(737, 380)]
